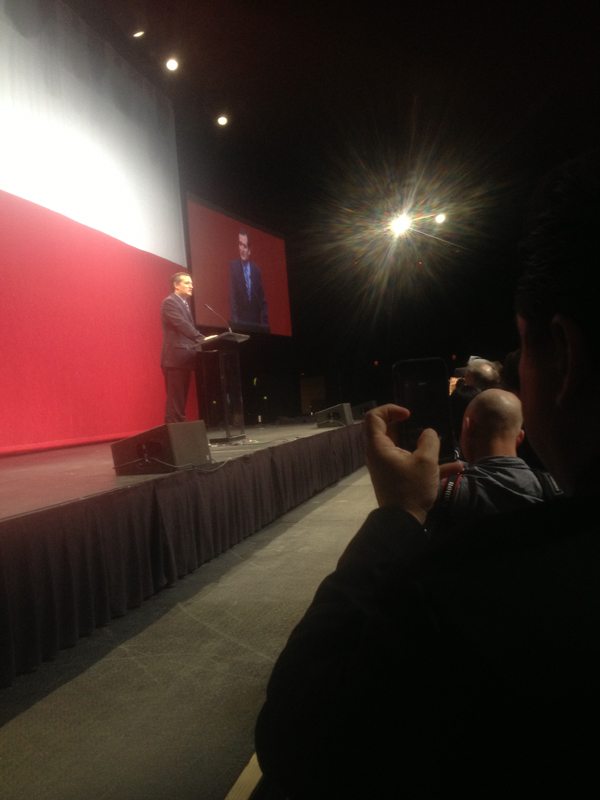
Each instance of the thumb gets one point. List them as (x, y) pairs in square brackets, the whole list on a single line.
[(428, 445)]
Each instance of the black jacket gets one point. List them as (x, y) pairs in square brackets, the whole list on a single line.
[(464, 666), (180, 336)]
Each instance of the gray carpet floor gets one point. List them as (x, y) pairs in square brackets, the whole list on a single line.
[(161, 703)]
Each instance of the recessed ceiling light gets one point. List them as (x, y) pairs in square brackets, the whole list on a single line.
[(172, 64), (138, 34)]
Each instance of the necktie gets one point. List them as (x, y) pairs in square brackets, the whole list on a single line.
[(247, 279)]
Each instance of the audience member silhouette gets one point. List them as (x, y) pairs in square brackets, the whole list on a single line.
[(510, 381), (479, 374), (493, 478), (468, 664), (509, 375)]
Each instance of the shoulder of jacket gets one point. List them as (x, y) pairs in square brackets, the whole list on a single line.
[(550, 488)]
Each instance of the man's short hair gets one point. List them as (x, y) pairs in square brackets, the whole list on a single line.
[(176, 278), (560, 249)]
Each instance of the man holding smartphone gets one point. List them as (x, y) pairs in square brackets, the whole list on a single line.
[(466, 665)]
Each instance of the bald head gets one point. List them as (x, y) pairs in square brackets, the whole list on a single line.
[(482, 374), (492, 425)]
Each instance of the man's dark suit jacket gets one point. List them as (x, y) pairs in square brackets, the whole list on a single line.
[(180, 335), (247, 311)]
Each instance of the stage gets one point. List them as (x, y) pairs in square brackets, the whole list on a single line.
[(80, 545)]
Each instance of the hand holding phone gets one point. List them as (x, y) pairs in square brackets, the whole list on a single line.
[(422, 386), (401, 479)]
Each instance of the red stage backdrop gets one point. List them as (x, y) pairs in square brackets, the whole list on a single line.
[(80, 332), (91, 228)]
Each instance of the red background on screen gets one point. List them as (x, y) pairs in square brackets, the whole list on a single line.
[(213, 239)]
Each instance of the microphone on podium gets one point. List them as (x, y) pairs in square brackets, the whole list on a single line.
[(210, 308)]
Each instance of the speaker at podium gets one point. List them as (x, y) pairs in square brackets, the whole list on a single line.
[(335, 416), (167, 448)]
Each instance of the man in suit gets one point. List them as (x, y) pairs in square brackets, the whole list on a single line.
[(247, 296), (180, 345)]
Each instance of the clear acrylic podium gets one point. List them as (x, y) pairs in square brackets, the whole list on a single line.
[(219, 387)]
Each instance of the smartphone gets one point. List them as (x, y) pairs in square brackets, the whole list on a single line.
[(422, 385)]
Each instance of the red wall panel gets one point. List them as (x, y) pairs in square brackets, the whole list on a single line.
[(80, 332)]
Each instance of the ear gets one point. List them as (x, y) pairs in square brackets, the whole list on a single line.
[(520, 437), (572, 362)]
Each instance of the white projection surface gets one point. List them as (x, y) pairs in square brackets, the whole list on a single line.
[(83, 133)]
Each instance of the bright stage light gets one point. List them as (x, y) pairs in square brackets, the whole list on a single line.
[(400, 224), (172, 64), (439, 218)]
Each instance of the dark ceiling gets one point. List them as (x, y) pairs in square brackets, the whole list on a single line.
[(311, 87), (339, 115)]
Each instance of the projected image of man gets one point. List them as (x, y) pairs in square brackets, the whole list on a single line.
[(247, 296), (180, 345)]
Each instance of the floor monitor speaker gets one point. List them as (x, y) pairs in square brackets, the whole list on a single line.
[(335, 416), (173, 446), (359, 410)]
